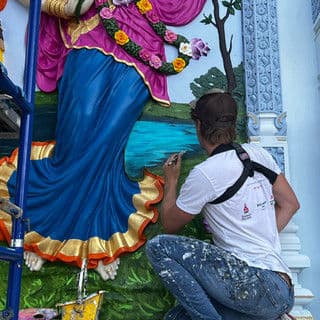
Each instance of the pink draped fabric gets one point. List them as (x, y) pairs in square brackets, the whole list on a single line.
[(56, 40)]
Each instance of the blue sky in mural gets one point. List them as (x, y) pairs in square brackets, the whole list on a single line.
[(179, 85)]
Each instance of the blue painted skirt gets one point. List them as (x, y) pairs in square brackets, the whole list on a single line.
[(80, 202)]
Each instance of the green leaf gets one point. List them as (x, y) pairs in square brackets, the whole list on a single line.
[(226, 4), (231, 10), (159, 28), (207, 19), (237, 5)]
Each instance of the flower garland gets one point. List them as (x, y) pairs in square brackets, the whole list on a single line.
[(186, 50)]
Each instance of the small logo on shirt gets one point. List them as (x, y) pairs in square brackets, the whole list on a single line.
[(246, 212), (261, 205)]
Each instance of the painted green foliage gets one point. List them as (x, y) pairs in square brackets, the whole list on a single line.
[(215, 78), (135, 294)]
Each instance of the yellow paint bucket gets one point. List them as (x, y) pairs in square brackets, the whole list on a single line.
[(87, 308)]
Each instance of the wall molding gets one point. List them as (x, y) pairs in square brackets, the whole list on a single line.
[(315, 5), (262, 65), (267, 120)]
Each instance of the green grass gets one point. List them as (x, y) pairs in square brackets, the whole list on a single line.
[(135, 294)]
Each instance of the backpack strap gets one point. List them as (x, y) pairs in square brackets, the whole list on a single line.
[(248, 170), (269, 174)]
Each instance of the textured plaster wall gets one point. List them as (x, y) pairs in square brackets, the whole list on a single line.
[(299, 70)]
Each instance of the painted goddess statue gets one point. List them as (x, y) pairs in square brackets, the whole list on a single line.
[(106, 59)]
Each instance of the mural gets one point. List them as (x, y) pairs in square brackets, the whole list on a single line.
[(152, 135)]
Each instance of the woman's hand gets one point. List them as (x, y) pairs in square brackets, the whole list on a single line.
[(172, 217), (172, 167), (71, 5), (61, 9)]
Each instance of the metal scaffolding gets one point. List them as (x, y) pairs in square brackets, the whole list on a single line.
[(24, 101)]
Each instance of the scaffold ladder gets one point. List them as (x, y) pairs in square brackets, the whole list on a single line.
[(24, 100)]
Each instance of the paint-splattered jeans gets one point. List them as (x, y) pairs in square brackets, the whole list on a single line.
[(211, 284)]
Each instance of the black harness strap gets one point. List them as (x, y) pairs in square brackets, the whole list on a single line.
[(269, 174), (248, 170)]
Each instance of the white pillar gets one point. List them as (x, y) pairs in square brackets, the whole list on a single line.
[(267, 120)]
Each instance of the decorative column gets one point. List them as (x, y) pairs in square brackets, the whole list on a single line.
[(267, 119), (316, 28)]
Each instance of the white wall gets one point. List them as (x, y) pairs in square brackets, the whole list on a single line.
[(13, 19), (301, 100)]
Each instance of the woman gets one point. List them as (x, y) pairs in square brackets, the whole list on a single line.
[(106, 65)]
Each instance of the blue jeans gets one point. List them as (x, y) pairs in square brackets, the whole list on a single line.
[(209, 283)]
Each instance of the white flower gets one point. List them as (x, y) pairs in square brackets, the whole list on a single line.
[(185, 48)]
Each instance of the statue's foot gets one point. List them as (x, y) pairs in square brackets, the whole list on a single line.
[(33, 261), (108, 271)]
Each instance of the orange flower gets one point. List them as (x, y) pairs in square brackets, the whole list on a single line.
[(121, 37), (144, 6), (2, 4), (178, 64)]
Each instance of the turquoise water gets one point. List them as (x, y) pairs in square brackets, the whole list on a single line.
[(149, 145), (152, 142)]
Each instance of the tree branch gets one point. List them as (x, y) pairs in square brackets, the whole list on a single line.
[(216, 12), (230, 45), (225, 17)]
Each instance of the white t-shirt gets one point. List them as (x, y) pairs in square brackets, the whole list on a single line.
[(244, 225)]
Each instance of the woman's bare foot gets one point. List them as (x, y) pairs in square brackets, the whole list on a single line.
[(33, 261), (108, 271)]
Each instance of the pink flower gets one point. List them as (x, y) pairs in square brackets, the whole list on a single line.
[(170, 36), (100, 2), (155, 61), (106, 13), (199, 48), (152, 17), (144, 54)]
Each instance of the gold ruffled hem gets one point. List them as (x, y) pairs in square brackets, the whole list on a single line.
[(94, 249)]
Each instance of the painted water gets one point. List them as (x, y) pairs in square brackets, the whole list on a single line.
[(152, 142), (149, 145)]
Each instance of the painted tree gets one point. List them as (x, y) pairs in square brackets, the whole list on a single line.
[(219, 23)]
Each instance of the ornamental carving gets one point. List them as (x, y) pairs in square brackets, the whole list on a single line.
[(278, 155), (262, 65), (315, 9)]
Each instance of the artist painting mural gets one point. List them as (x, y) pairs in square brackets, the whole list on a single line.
[(107, 59)]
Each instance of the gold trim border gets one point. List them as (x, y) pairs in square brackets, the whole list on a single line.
[(94, 249)]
